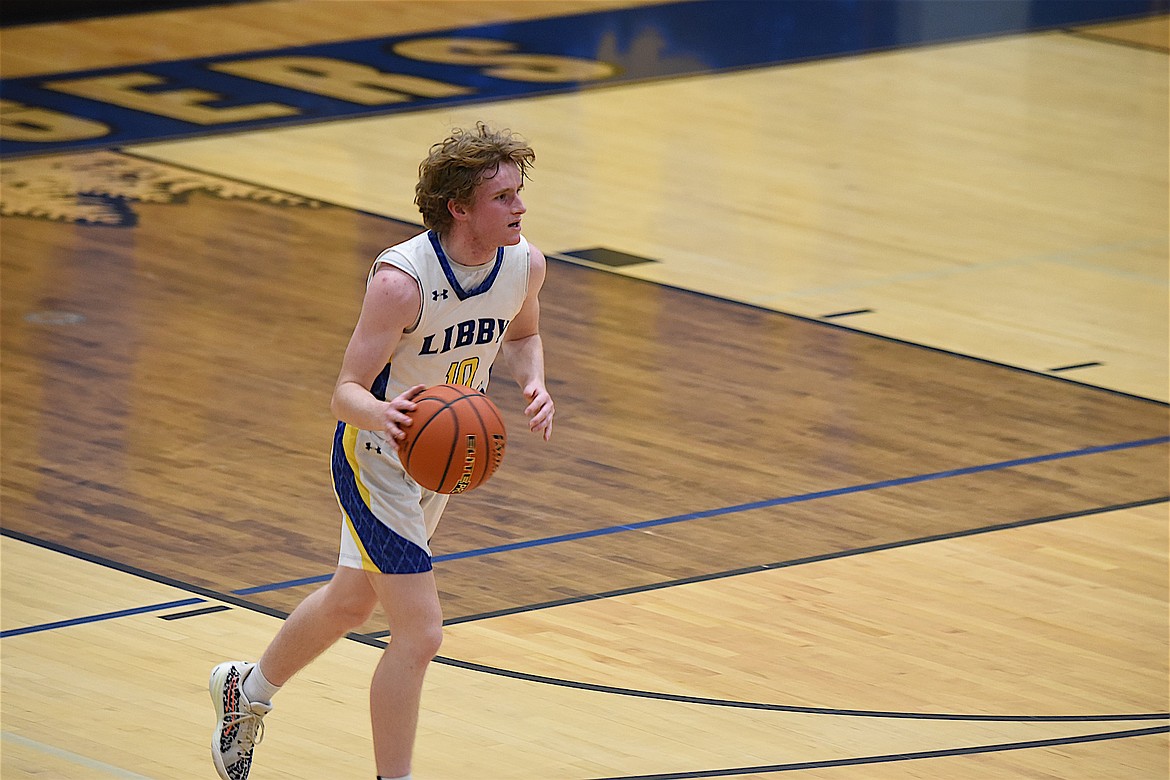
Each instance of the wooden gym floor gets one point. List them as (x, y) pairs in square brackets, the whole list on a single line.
[(860, 468)]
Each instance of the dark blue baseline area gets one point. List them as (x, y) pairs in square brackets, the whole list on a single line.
[(18, 12), (112, 107)]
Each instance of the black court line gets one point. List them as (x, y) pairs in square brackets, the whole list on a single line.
[(1075, 366), (804, 497), (234, 599), (1091, 364), (204, 593), (564, 258), (800, 561), (862, 760), (764, 504), (790, 708), (121, 613), (839, 314), (790, 499), (196, 612), (377, 642), (829, 324)]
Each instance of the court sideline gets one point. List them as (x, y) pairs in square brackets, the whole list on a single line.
[(936, 489)]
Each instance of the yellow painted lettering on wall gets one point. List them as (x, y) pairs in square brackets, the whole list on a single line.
[(340, 79), (504, 62), (188, 105), (19, 122)]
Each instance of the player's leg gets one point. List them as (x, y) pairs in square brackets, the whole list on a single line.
[(411, 602), (340, 606)]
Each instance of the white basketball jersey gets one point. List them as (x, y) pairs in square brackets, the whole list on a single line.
[(465, 311)]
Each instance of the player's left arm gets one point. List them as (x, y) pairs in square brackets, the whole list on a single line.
[(523, 351)]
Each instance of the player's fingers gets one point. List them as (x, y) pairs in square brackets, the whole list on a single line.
[(542, 420), (404, 401)]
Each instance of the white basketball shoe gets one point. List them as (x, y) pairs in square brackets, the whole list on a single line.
[(239, 723)]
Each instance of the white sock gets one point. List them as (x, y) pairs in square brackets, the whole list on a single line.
[(404, 777), (257, 687)]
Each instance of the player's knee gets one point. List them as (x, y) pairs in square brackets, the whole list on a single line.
[(421, 641), (348, 608), (430, 640), (354, 614)]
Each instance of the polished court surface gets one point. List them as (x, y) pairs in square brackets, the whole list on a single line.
[(860, 358)]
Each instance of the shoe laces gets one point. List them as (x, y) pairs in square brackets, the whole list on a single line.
[(250, 724)]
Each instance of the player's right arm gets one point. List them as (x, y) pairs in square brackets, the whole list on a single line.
[(392, 304)]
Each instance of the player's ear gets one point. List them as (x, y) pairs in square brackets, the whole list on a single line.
[(457, 209)]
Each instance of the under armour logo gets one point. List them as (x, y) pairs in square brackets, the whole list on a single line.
[(435, 295)]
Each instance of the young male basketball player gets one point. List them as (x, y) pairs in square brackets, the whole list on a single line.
[(438, 307)]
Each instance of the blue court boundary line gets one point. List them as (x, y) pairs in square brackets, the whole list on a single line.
[(829, 556), (765, 504), (861, 760), (374, 640), (376, 637), (202, 595), (121, 613), (799, 498), (802, 497)]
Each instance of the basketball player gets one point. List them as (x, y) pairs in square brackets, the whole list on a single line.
[(438, 307)]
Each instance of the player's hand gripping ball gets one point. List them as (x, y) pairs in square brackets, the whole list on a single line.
[(455, 441)]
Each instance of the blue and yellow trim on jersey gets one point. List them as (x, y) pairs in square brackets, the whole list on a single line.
[(382, 549), (445, 264)]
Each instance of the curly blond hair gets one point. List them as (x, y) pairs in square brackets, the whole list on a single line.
[(458, 163)]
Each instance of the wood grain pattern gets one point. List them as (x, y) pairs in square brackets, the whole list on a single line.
[(173, 317), (210, 402), (973, 197), (91, 676), (205, 32)]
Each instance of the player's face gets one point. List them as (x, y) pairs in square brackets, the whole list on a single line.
[(496, 207)]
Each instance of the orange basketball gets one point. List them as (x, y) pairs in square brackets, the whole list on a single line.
[(455, 441)]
